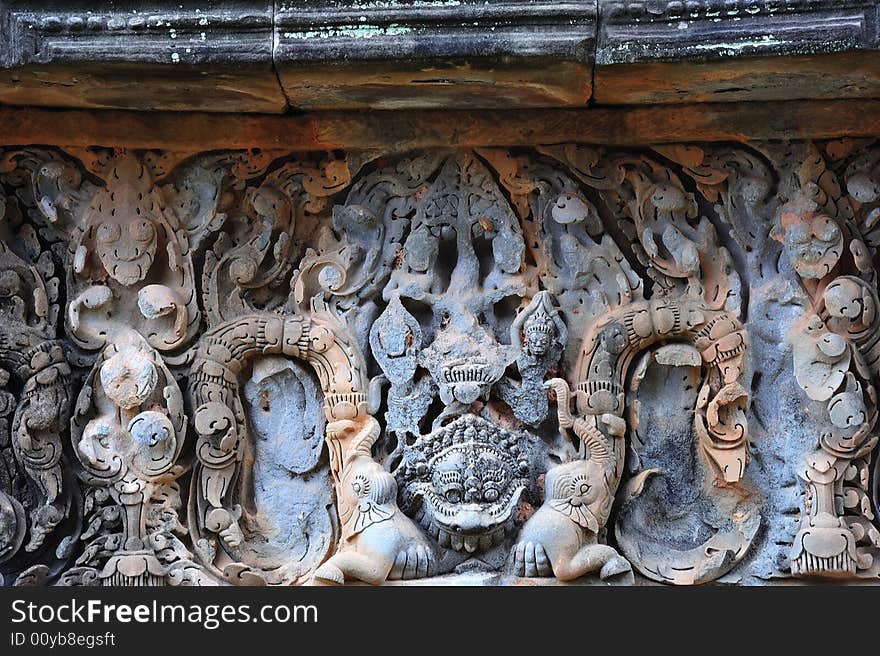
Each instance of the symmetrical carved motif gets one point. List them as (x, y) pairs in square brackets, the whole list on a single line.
[(558, 362)]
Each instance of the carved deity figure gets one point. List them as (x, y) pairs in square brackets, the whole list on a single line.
[(539, 334)]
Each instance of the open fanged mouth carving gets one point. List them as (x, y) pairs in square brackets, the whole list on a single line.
[(476, 372), (468, 476)]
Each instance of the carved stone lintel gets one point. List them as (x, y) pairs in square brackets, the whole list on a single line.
[(563, 362)]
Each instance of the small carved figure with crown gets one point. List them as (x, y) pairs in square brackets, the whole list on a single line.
[(538, 334)]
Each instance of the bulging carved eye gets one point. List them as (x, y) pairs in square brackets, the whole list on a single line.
[(827, 230), (580, 485), (143, 231), (361, 486), (109, 233), (450, 484), (491, 494)]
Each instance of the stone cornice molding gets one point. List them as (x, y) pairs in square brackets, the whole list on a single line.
[(259, 56)]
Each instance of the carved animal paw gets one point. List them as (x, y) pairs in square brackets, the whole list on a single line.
[(614, 567), (414, 562), (225, 524), (330, 573), (530, 559), (232, 534)]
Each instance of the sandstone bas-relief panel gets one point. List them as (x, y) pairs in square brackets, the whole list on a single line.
[(564, 363)]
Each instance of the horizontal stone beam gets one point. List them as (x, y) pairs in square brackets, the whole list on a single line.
[(407, 130), (651, 51), (271, 57)]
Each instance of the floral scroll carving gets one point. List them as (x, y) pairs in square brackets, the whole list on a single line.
[(38, 496), (564, 363), (826, 231)]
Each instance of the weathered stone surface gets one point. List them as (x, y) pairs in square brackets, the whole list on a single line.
[(671, 51), (247, 56), (539, 346), (159, 55), (260, 56), (191, 132), (293, 523), (437, 53)]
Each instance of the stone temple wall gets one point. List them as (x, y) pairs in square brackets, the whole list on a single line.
[(504, 341)]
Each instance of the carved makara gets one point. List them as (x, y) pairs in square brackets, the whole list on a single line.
[(560, 362)]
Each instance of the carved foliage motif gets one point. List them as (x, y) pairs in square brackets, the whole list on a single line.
[(827, 235), (38, 496), (443, 362)]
